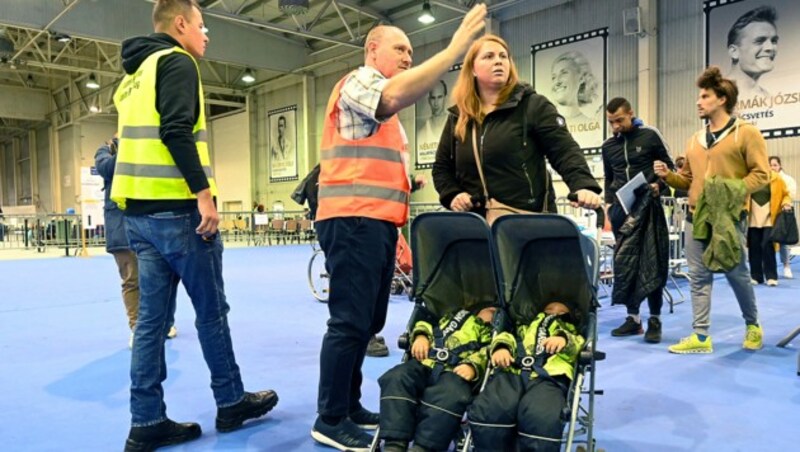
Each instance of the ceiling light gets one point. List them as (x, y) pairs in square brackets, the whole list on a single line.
[(426, 17), (293, 7), (94, 108), (248, 76), (61, 37), (91, 83)]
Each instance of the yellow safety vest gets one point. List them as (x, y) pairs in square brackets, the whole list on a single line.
[(145, 169)]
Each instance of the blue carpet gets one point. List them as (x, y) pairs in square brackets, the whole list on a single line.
[(64, 355)]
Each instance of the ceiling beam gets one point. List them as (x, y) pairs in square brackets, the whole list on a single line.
[(280, 28), (111, 21), (46, 28), (364, 10)]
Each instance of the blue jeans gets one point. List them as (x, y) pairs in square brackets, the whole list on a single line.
[(169, 251), (702, 280), (784, 252)]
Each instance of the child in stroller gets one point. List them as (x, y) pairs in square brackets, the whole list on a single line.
[(531, 390), (424, 398)]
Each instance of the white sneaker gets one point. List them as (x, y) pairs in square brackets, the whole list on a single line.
[(173, 331), (754, 282), (130, 341), (772, 282), (787, 273)]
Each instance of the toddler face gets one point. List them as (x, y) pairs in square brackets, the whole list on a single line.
[(556, 308)]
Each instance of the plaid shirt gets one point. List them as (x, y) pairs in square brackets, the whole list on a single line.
[(360, 97)]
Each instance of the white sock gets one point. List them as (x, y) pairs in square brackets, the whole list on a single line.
[(636, 318)]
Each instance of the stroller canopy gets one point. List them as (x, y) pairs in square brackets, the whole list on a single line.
[(452, 262), (544, 258)]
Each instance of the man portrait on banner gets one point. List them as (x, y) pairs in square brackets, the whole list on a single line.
[(753, 46), (282, 148), (428, 135)]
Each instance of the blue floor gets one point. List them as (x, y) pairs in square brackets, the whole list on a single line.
[(64, 355)]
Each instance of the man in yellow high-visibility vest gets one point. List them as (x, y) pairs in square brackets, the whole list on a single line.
[(164, 183)]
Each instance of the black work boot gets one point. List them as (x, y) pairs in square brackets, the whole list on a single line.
[(254, 405), (377, 347), (629, 328), (168, 432), (653, 334)]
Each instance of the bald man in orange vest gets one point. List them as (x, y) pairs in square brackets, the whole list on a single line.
[(363, 199)]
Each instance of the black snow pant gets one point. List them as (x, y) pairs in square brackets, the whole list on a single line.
[(413, 407), (508, 406)]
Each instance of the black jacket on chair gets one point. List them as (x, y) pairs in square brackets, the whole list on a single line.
[(642, 256)]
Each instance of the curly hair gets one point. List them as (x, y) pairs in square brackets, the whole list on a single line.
[(712, 79)]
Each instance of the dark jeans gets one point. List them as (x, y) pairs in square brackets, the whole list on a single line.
[(359, 257), (761, 253), (169, 251), (655, 299)]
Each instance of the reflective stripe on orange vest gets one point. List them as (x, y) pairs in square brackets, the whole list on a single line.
[(365, 177)]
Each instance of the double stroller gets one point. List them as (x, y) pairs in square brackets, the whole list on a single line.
[(520, 264)]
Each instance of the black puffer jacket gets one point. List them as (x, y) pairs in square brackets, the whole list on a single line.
[(515, 176), (642, 256)]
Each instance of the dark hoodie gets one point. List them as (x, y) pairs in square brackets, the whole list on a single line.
[(178, 103), (515, 175)]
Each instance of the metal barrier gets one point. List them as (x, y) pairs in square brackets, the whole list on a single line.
[(40, 232)]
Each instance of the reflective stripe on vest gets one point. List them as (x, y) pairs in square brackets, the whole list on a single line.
[(145, 168), (365, 177), (152, 132)]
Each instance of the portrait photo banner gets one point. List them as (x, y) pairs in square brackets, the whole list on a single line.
[(282, 149), (742, 39), (571, 73), (431, 116)]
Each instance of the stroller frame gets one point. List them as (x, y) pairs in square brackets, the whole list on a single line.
[(511, 235)]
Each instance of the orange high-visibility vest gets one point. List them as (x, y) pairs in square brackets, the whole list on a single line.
[(365, 177)]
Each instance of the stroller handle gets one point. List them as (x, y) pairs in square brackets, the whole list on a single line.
[(478, 200)]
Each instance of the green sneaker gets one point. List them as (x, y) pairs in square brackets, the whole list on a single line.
[(692, 344), (753, 338)]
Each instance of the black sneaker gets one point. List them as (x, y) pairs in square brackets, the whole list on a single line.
[(380, 339), (629, 328), (653, 334), (343, 436), (145, 439), (376, 349), (254, 405), (365, 419)]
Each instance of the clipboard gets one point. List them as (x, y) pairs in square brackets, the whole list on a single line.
[(627, 193)]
